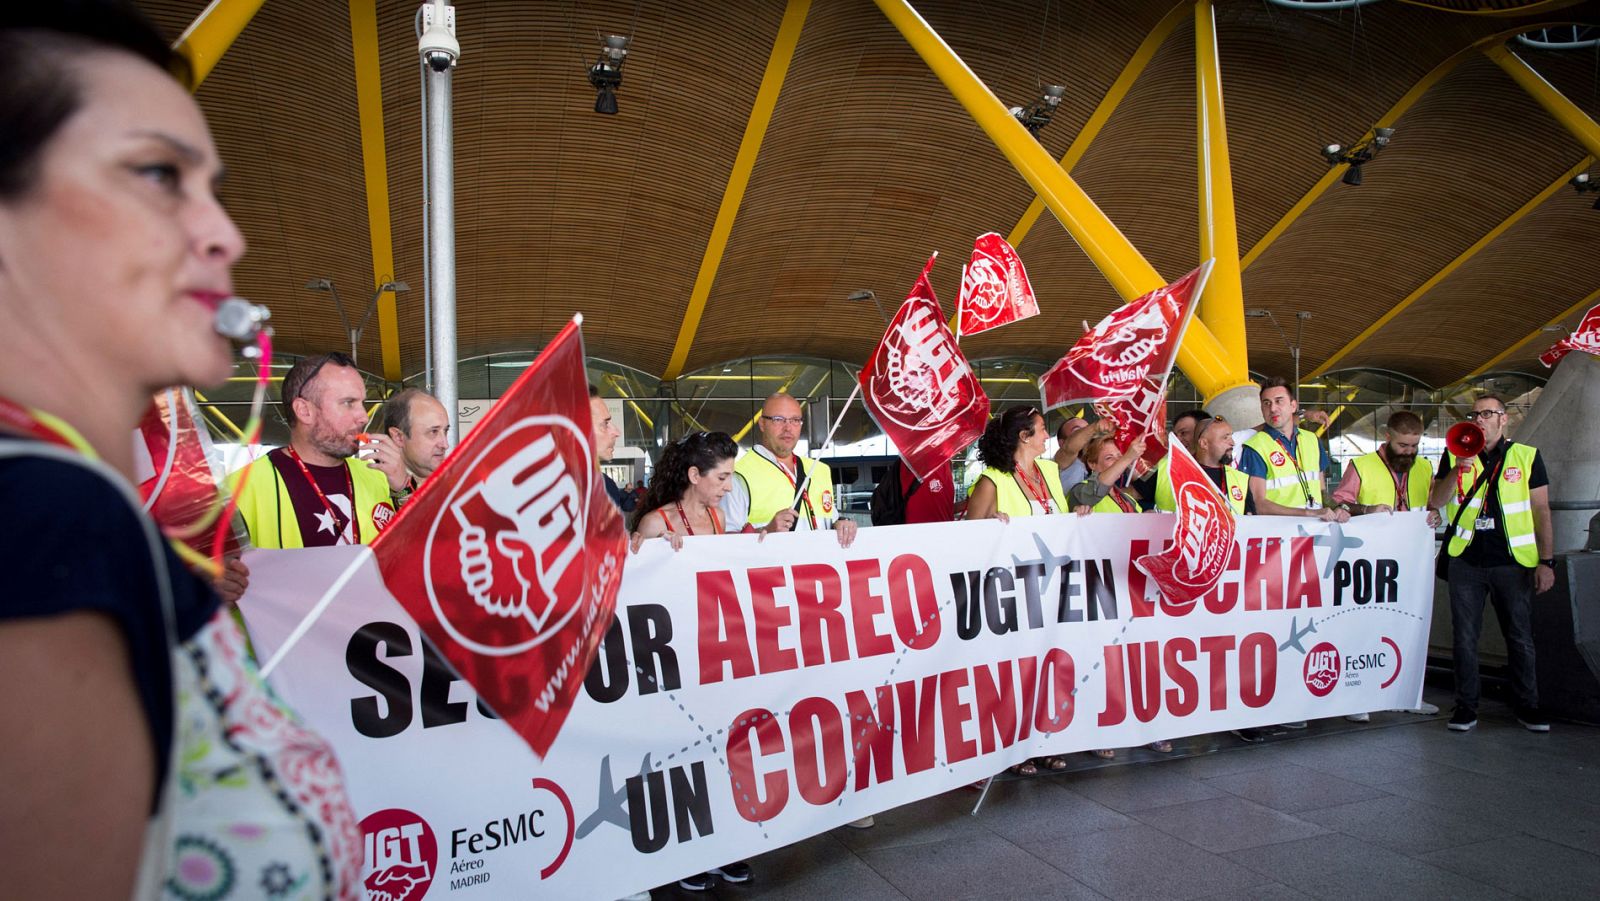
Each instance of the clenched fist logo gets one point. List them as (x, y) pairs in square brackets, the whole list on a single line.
[(517, 522)]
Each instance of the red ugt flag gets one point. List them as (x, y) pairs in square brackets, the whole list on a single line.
[(1121, 365), (510, 556), (180, 470), (919, 388), (1586, 339), (994, 287), (1202, 538)]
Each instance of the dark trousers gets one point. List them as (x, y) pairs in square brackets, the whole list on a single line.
[(1511, 588)]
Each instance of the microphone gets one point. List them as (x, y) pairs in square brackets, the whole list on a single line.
[(240, 320)]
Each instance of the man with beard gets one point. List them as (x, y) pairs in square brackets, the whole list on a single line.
[(1183, 430), (1212, 446), (419, 429), (316, 492), (1393, 477)]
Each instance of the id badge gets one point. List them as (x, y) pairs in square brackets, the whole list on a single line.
[(1483, 523)]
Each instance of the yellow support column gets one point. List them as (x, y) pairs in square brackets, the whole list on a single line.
[(212, 33), (375, 165), (1200, 357), (1573, 119), (1222, 304)]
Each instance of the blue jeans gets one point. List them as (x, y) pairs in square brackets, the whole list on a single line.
[(1511, 588)]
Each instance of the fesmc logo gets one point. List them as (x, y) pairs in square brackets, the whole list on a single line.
[(919, 377), (401, 855), (1322, 669), (507, 535)]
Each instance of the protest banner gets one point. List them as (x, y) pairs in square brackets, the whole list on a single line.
[(749, 694)]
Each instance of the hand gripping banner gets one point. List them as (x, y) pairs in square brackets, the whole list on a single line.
[(1121, 365), (1585, 338), (510, 556), (918, 387), (994, 288), (1202, 536)]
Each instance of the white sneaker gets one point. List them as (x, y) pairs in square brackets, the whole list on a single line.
[(863, 823), (1359, 717), (1424, 709)]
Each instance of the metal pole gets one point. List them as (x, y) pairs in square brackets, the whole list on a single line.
[(442, 244)]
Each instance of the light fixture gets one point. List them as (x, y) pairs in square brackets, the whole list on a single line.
[(1583, 184), (606, 73), (326, 284), (1357, 156), (864, 294), (1301, 317), (1036, 115)]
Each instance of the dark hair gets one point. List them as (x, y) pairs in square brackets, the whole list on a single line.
[(1196, 415), (302, 373), (1405, 422), (396, 412), (593, 391), (1063, 426), (1490, 396), (998, 446), (1277, 381), (39, 89), (701, 450)]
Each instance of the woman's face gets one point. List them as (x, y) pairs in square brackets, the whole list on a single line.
[(120, 244), (1032, 442), (1106, 458), (709, 487)]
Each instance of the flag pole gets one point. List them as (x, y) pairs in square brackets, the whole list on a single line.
[(961, 294), (805, 483)]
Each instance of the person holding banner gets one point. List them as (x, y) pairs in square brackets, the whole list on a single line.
[(1393, 477), (1286, 464), (691, 478), (776, 490), (142, 756), (1016, 481), (1213, 450), (1099, 492)]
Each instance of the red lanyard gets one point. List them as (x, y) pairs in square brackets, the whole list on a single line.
[(1041, 494), (353, 522), (716, 524), (1402, 486), (1121, 500), (31, 422), (811, 516)]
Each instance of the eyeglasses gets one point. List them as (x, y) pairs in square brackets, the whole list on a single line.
[(781, 421), (1485, 414)]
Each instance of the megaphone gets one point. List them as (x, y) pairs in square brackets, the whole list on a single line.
[(1464, 440)]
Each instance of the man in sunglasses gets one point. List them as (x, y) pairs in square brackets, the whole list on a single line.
[(776, 490), (1500, 548)]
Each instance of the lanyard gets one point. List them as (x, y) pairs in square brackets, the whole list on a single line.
[(1402, 485), (1294, 459), (1462, 491), (1121, 500), (353, 522), (1042, 494), (716, 524), (43, 426), (811, 516)]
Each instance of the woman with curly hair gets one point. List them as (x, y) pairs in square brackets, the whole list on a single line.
[(691, 477), (1017, 479)]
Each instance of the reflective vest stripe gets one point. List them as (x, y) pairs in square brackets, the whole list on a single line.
[(1518, 507), (1522, 540)]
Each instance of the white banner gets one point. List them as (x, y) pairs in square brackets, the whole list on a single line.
[(750, 694)]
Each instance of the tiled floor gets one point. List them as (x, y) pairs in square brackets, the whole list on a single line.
[(1402, 808)]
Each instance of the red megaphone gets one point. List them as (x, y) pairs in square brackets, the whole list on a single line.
[(1465, 440)]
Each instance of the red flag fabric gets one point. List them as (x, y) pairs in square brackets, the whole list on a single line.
[(918, 387), (184, 482), (994, 287), (510, 556), (1202, 538), (1121, 365), (1585, 338)]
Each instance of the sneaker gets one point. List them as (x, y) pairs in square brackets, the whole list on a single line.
[(1359, 717), (1424, 709), (738, 871), (1294, 724), (1532, 720), (699, 882), (863, 823), (1464, 718), (1251, 735)]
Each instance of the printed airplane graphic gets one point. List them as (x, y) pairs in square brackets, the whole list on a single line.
[(1296, 633), (1051, 561), (1336, 543), (610, 808)]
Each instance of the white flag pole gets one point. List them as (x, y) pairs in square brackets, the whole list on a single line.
[(961, 295), (806, 482)]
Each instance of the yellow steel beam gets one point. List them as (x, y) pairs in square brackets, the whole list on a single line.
[(218, 415), (212, 33), (1102, 113), (1566, 314), (369, 100), (1200, 357), (620, 388), (1450, 267), (1222, 303), (1573, 119), (1387, 120), (755, 130)]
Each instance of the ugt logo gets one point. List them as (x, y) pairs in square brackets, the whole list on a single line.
[(498, 559), (1322, 669), (401, 855)]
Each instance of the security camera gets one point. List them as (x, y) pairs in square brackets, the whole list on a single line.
[(438, 46), (439, 60)]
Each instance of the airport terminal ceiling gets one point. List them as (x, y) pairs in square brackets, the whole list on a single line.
[(1462, 241)]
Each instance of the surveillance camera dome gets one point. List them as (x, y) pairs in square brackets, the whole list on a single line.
[(1332, 150), (439, 61)]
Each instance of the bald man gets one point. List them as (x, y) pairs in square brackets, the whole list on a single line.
[(766, 491)]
